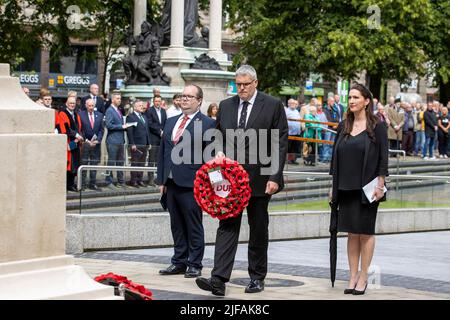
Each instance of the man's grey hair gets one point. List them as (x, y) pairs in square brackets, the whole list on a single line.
[(247, 70), (89, 101), (135, 103)]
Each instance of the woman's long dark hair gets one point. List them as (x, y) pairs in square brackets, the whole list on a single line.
[(371, 119)]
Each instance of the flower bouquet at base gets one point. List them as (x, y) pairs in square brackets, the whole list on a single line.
[(221, 188), (130, 290)]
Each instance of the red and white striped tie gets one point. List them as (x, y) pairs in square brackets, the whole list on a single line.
[(180, 129)]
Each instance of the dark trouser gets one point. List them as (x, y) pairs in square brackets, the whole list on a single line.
[(443, 142), (294, 150), (186, 225), (228, 236), (393, 145), (70, 179), (75, 163), (407, 141), (138, 160), (116, 157), (152, 160), (90, 156)]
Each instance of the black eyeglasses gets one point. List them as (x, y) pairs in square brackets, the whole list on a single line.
[(188, 97), (245, 84)]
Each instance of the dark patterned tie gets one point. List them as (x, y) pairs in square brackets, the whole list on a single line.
[(243, 118)]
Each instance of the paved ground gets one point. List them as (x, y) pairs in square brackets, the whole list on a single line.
[(406, 266)]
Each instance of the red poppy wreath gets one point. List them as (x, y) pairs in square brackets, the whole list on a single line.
[(227, 196), (133, 291)]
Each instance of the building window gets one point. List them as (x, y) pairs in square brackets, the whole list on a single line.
[(80, 59), (32, 64)]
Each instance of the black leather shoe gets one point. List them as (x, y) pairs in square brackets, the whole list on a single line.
[(72, 188), (214, 285), (94, 187), (141, 184), (172, 269), (193, 272), (255, 286), (135, 185)]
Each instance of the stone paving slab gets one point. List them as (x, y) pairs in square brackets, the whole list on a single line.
[(179, 288)]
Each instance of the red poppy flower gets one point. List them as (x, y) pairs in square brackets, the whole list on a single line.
[(133, 291)]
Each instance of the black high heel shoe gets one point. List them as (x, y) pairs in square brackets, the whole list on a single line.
[(349, 291), (358, 293)]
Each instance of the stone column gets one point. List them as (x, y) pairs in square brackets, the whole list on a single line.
[(176, 57), (177, 24), (140, 15), (215, 27), (33, 263), (215, 33)]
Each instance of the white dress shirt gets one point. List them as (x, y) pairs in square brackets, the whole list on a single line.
[(180, 119), (173, 111), (249, 107), (158, 112)]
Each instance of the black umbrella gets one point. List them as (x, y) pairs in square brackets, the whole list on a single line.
[(333, 240)]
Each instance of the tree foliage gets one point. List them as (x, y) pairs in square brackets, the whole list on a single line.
[(286, 40)]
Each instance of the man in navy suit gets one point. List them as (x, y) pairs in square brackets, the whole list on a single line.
[(99, 103), (177, 181), (92, 128), (157, 117), (139, 140), (115, 139)]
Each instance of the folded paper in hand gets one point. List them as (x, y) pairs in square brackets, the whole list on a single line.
[(72, 145), (369, 189)]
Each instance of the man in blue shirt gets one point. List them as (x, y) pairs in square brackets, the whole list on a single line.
[(294, 130)]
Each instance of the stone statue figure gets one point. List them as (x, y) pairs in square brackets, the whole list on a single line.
[(203, 42), (205, 62), (190, 23), (144, 66)]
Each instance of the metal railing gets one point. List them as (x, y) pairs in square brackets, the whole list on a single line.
[(109, 168)]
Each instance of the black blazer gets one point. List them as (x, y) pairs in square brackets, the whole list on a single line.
[(267, 113), (376, 155), (155, 126), (138, 135), (431, 121), (182, 174)]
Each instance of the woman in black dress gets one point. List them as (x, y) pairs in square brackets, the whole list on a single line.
[(360, 154)]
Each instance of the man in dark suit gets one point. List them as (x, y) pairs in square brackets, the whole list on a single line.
[(115, 140), (139, 140), (177, 181), (99, 103), (92, 128), (156, 120), (253, 112)]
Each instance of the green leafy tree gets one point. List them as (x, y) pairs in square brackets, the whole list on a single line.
[(286, 40), (438, 48)]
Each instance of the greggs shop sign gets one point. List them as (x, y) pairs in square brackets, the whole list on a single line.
[(74, 80), (28, 78)]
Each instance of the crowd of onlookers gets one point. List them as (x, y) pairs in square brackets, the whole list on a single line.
[(418, 129), (129, 129), (331, 112)]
